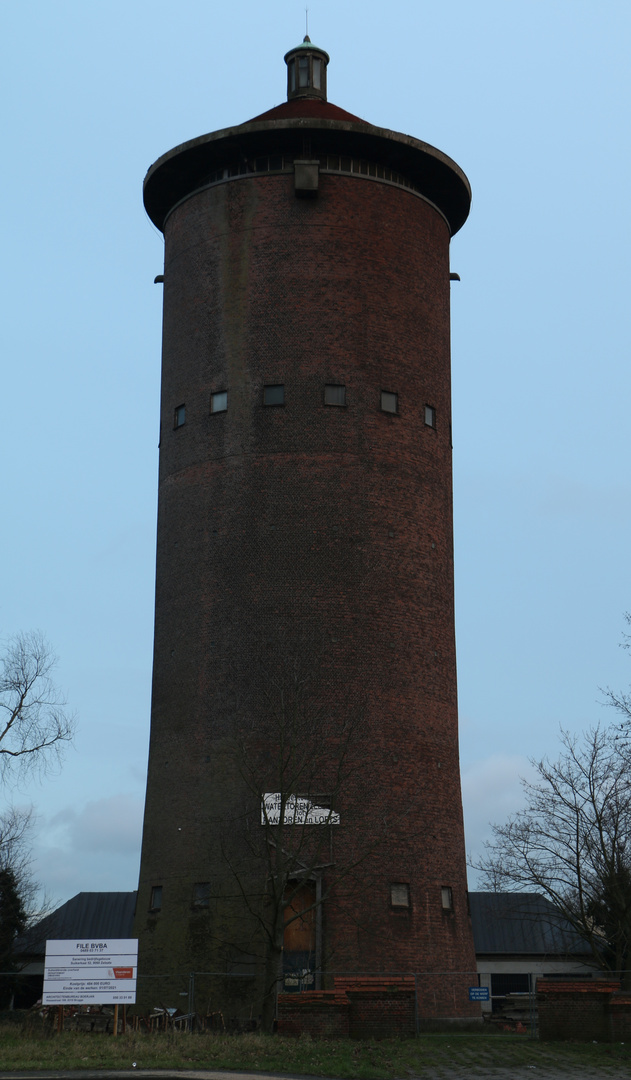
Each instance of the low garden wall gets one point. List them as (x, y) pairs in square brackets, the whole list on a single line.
[(589, 1010)]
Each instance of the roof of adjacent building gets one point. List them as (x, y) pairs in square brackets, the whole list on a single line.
[(88, 915), (521, 924)]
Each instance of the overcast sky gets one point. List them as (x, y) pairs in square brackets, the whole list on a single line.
[(531, 99)]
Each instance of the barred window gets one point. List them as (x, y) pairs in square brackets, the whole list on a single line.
[(400, 894)]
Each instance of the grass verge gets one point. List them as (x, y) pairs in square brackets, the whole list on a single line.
[(349, 1060)]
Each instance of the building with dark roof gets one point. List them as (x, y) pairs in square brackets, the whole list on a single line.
[(520, 936)]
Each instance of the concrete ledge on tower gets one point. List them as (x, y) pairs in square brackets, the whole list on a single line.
[(306, 178)]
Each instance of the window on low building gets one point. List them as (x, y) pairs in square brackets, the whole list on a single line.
[(400, 894), (274, 394), (389, 402), (219, 401), (334, 394), (430, 416), (156, 898), (179, 416), (201, 894)]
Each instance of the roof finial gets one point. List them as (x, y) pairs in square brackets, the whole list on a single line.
[(307, 38)]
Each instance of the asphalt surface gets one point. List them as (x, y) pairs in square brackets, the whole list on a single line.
[(462, 1072)]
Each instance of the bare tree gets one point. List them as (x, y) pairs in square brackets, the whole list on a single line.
[(620, 700), (22, 904), (35, 725), (296, 763), (572, 842)]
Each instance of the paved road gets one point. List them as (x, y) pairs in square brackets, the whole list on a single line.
[(471, 1071)]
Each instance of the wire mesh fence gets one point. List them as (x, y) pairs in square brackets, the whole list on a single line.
[(374, 1003), (231, 1000)]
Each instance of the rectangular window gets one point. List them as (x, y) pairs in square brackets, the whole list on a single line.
[(334, 394), (389, 402), (274, 395), (179, 417), (156, 898), (430, 416), (303, 71), (446, 898), (201, 894), (219, 402), (400, 894)]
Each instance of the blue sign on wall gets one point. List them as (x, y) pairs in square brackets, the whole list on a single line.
[(478, 993)]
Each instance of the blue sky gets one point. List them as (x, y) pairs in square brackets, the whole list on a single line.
[(531, 99)]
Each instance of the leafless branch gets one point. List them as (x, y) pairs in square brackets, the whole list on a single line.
[(35, 725), (572, 843)]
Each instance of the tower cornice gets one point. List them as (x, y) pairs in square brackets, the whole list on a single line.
[(184, 169)]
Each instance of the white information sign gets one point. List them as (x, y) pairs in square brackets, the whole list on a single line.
[(91, 972), (298, 811)]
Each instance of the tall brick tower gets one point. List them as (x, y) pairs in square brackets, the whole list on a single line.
[(304, 593)]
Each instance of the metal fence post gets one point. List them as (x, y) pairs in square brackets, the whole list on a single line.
[(191, 999)]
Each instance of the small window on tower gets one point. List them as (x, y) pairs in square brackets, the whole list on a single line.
[(334, 394), (274, 395), (389, 402), (219, 402), (400, 895), (430, 416), (201, 894), (447, 898), (156, 898), (179, 418)]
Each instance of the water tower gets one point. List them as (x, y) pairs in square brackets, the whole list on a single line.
[(305, 534)]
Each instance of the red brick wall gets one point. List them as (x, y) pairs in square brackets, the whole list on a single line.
[(576, 1010), (331, 526), (321, 1014)]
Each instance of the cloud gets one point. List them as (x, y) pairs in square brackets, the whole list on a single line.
[(112, 824), (90, 848)]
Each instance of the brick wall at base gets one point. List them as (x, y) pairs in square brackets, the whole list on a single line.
[(319, 1013), (580, 1010), (358, 1012), (381, 1013)]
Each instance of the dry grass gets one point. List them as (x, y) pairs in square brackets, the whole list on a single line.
[(474, 1055)]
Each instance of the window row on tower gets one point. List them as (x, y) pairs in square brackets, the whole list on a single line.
[(400, 898), (334, 394)]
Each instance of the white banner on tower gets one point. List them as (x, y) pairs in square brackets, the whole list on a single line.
[(298, 811)]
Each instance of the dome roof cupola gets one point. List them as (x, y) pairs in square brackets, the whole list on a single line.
[(306, 71)]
